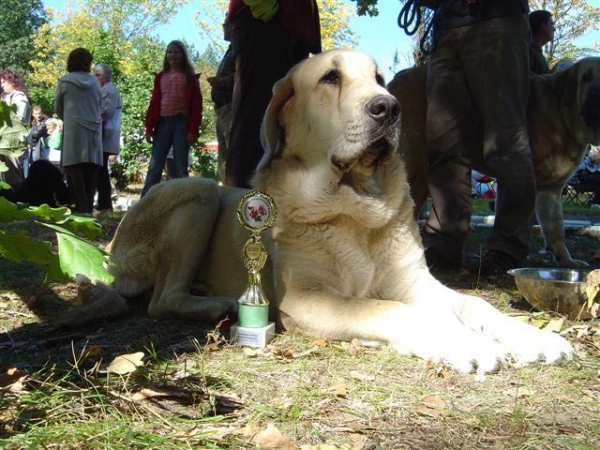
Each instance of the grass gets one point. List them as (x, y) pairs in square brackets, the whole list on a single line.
[(195, 390)]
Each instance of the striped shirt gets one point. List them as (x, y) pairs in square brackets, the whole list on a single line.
[(174, 97)]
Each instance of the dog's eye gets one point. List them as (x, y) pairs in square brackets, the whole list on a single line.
[(379, 79), (332, 77)]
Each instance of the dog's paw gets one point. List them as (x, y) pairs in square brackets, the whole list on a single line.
[(526, 344), (454, 345)]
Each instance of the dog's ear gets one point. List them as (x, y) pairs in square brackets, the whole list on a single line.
[(271, 134), (565, 84)]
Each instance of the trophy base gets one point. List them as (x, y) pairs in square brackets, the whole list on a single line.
[(253, 337)]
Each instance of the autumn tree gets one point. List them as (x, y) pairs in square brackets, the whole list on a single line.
[(19, 21), (117, 32)]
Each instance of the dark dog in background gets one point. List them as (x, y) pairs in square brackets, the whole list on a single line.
[(44, 185)]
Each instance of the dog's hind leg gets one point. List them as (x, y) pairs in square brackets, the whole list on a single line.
[(549, 211), (99, 302), (179, 254)]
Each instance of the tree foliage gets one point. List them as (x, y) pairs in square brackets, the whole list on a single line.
[(19, 20), (117, 32)]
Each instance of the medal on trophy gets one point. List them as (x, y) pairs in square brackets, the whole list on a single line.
[(256, 212)]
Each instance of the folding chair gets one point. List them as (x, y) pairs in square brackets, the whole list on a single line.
[(577, 194), (486, 187)]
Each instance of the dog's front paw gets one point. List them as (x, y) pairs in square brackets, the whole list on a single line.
[(527, 344), (448, 341)]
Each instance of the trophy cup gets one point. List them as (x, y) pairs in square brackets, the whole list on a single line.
[(256, 211)]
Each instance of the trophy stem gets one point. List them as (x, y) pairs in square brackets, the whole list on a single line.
[(253, 306)]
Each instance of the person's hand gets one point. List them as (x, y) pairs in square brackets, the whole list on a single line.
[(191, 139), (149, 138), (112, 158)]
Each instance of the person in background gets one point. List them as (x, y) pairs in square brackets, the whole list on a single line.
[(54, 140), (78, 102), (111, 132), (222, 96), (15, 93), (268, 37), (459, 104), (542, 32), (37, 135), (588, 174), (174, 114)]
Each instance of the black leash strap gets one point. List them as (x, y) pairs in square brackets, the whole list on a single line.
[(410, 19)]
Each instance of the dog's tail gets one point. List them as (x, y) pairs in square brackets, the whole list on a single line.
[(98, 302)]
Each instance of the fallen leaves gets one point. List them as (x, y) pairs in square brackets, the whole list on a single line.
[(432, 405), (125, 364)]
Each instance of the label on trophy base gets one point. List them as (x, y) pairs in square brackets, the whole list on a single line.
[(253, 337), (253, 316)]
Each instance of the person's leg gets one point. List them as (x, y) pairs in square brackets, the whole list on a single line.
[(161, 143), (104, 187), (449, 178), (77, 185), (181, 149), (90, 173), (224, 114), (499, 81)]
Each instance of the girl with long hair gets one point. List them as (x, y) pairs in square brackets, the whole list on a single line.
[(174, 114)]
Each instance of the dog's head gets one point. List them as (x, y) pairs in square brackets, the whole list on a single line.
[(580, 84), (334, 103)]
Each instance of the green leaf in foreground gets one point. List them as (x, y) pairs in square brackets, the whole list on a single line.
[(17, 247), (80, 257)]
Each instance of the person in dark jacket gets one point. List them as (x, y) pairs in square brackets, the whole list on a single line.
[(542, 32), (37, 135), (268, 37), (222, 96), (477, 89)]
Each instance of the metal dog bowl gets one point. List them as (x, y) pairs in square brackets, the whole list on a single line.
[(559, 290)]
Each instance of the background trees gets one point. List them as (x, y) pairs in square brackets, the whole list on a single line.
[(121, 33), (19, 21)]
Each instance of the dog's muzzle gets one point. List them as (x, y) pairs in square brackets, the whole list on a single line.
[(380, 135)]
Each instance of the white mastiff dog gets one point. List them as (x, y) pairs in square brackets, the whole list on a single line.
[(347, 259)]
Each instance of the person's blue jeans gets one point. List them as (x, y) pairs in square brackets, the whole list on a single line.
[(170, 131)]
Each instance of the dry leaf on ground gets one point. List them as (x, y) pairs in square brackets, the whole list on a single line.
[(272, 439), (124, 364)]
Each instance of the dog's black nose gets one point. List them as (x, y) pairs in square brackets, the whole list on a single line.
[(384, 108)]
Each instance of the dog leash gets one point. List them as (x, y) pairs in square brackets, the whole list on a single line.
[(410, 18)]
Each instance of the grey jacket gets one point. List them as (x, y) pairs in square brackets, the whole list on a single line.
[(77, 102), (111, 118)]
